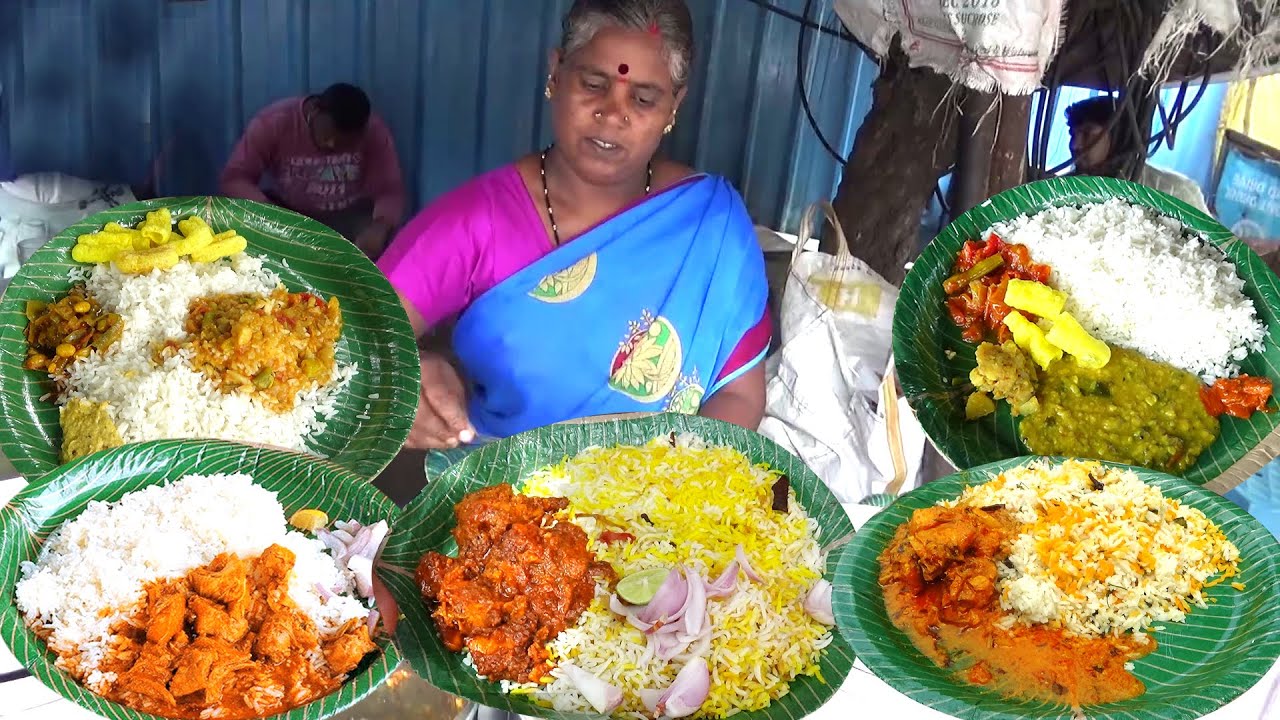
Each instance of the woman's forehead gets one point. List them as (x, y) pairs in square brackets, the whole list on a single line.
[(634, 54)]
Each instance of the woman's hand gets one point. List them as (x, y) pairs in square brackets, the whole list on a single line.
[(441, 421)]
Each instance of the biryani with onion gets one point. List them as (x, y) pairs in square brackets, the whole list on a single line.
[(737, 609), (1048, 580)]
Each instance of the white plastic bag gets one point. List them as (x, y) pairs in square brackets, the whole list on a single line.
[(34, 208), (982, 44), (831, 394)]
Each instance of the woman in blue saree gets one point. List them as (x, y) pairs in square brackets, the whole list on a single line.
[(592, 277)]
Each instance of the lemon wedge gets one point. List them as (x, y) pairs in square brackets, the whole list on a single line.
[(309, 520), (639, 588)]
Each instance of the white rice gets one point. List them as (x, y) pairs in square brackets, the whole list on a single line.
[(149, 402), (92, 571), (1133, 278)]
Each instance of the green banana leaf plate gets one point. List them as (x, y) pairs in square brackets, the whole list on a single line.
[(373, 413), (300, 481), (428, 520), (929, 352), (1199, 666)]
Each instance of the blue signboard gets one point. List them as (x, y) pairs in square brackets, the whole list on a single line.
[(1247, 193)]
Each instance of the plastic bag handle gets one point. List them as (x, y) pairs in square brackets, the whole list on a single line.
[(807, 227), (893, 431)]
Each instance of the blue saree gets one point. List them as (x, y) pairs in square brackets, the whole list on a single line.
[(640, 313)]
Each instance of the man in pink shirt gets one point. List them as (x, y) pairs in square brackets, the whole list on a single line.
[(328, 157)]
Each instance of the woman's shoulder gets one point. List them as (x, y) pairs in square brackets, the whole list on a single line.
[(669, 174)]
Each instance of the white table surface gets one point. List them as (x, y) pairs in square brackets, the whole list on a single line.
[(863, 695)]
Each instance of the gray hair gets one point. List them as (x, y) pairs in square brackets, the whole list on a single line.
[(670, 18)]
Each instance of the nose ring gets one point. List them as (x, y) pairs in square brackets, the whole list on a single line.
[(599, 114)]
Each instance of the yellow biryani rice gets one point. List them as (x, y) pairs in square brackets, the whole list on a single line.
[(693, 504), (1099, 551)]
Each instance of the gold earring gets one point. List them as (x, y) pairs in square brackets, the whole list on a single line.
[(670, 126), (547, 91)]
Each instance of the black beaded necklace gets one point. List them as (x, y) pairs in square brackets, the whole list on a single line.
[(546, 195)]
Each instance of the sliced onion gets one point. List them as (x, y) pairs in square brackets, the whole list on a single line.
[(741, 557), (724, 585), (605, 698), (665, 628), (671, 596), (700, 645), (373, 622), (344, 536), (332, 542), (651, 698), (695, 610), (350, 526), (616, 605), (362, 568), (323, 591), (667, 646), (379, 532), (687, 692), (358, 543), (818, 603)]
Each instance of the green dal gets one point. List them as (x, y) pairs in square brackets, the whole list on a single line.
[(1134, 411)]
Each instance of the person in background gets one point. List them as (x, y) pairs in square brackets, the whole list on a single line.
[(592, 277), (1100, 153), (328, 157)]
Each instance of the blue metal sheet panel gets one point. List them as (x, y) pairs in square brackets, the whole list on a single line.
[(197, 97), (143, 89)]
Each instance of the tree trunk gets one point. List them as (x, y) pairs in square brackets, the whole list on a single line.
[(906, 142), (1009, 158), (993, 148)]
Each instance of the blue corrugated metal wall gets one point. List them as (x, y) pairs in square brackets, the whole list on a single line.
[(135, 89)]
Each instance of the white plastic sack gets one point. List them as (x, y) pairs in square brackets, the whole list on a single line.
[(982, 44), (1256, 45), (36, 207), (826, 383)]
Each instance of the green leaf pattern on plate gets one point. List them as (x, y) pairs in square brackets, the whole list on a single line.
[(366, 432), (1199, 666), (427, 522), (300, 481)]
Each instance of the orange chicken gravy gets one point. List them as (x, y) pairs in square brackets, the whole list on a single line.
[(227, 641), (939, 576)]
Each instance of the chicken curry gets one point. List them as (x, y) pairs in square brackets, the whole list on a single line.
[(520, 578), (227, 641), (939, 575)]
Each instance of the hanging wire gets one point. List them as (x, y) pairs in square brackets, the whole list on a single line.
[(839, 32), (804, 91), (1134, 100)]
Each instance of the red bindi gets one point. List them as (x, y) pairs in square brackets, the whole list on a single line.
[(623, 69)]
